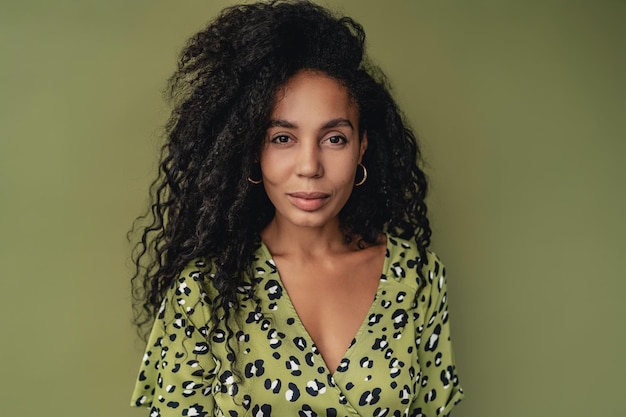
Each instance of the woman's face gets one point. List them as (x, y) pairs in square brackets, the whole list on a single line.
[(311, 151)]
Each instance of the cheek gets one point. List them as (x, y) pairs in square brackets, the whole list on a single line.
[(271, 166), (346, 170), (343, 182)]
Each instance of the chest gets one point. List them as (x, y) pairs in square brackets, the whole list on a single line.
[(332, 301), (281, 365)]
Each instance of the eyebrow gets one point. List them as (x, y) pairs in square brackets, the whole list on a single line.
[(328, 125)]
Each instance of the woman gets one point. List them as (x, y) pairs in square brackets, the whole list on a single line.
[(287, 184)]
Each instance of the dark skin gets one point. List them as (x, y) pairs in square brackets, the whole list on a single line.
[(309, 164), (331, 291)]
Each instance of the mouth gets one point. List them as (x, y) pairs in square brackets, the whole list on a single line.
[(308, 201)]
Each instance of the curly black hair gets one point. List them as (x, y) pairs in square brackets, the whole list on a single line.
[(223, 93)]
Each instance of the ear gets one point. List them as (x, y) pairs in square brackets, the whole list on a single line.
[(363, 146)]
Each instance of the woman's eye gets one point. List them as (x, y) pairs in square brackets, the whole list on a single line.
[(280, 139), (337, 140)]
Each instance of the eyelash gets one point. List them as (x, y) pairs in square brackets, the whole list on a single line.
[(276, 139), (342, 139)]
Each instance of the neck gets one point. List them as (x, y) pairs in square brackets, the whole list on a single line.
[(287, 239)]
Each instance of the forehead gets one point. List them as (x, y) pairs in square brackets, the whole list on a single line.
[(314, 95)]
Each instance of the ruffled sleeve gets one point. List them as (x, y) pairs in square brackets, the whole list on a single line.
[(177, 372), (439, 389)]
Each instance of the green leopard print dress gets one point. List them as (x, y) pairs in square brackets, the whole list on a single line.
[(400, 362)]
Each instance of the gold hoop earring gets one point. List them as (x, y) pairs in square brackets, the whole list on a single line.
[(358, 184), (256, 169)]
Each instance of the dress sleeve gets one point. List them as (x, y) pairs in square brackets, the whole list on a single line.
[(177, 372), (439, 389)]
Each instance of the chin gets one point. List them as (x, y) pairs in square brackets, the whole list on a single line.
[(310, 223), (310, 219)]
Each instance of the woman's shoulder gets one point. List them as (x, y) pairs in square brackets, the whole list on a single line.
[(196, 280), (193, 284), (404, 260), (198, 270)]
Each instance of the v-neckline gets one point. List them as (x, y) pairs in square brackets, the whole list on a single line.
[(298, 322)]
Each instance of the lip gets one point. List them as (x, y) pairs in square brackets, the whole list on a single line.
[(308, 201)]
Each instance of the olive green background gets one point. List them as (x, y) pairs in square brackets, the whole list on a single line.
[(521, 111)]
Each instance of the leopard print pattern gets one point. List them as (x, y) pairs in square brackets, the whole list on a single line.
[(400, 362)]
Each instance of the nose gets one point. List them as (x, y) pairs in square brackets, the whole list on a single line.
[(308, 160)]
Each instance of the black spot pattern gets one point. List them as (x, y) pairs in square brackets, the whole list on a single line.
[(399, 364)]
